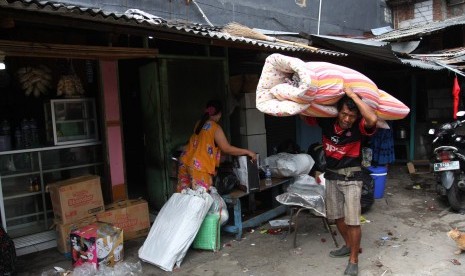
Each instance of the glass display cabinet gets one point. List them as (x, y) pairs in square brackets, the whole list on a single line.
[(26, 210), (70, 121)]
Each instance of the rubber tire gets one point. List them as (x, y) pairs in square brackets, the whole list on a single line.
[(456, 198)]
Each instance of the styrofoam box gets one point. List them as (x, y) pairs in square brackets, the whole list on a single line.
[(252, 122), (256, 143)]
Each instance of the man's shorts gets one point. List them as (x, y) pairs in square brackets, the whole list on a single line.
[(343, 200)]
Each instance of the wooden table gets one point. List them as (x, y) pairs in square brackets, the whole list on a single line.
[(234, 198)]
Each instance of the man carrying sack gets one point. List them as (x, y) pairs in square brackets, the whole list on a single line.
[(342, 145)]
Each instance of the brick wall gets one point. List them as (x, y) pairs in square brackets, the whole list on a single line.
[(425, 11), (422, 13), (455, 10), (438, 10)]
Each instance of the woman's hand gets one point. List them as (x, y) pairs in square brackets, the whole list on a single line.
[(252, 155)]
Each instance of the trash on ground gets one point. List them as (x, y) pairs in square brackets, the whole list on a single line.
[(277, 231), (323, 240), (417, 187), (455, 262), (279, 222), (263, 231), (252, 244), (378, 263), (364, 220), (227, 245)]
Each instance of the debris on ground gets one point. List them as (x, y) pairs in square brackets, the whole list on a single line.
[(455, 262), (279, 222)]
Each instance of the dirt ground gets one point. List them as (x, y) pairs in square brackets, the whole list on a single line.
[(404, 234)]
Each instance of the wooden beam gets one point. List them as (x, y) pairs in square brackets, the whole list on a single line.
[(34, 49)]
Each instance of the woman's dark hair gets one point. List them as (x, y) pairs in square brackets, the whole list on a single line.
[(213, 107), (348, 102)]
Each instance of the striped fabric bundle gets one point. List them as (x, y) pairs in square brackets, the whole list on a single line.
[(289, 86)]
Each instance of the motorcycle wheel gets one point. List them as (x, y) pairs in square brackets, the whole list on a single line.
[(456, 198)]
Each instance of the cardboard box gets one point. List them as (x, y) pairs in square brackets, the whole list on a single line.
[(130, 215), (97, 243), (76, 198), (64, 230)]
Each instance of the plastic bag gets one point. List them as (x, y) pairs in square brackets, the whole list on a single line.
[(306, 193), (226, 182), (218, 206), (287, 164)]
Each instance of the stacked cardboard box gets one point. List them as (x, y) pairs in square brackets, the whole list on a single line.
[(130, 215), (75, 202), (64, 230), (76, 198), (252, 125)]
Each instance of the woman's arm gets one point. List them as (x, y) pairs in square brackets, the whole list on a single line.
[(227, 148)]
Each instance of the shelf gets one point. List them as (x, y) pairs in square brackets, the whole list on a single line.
[(29, 211), (16, 174), (22, 195), (51, 148), (26, 216), (73, 121)]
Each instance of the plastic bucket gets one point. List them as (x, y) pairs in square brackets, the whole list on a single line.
[(379, 176)]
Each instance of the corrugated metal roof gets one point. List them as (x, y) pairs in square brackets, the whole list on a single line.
[(422, 64), (377, 50), (139, 18), (420, 29), (451, 57)]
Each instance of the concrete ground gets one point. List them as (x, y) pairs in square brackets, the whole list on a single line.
[(405, 234)]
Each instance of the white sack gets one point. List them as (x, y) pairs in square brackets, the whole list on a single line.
[(288, 164), (175, 228)]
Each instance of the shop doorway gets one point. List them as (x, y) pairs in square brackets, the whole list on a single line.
[(172, 91)]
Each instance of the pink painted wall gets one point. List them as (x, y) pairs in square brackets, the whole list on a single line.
[(111, 106)]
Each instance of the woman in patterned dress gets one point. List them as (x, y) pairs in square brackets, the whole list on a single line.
[(201, 156)]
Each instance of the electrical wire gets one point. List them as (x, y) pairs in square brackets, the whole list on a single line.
[(203, 14)]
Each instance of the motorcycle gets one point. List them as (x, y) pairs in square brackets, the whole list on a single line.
[(449, 162)]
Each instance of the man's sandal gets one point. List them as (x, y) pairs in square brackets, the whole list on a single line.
[(344, 251), (351, 269)]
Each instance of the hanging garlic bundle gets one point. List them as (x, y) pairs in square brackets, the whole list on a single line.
[(35, 80), (70, 85)]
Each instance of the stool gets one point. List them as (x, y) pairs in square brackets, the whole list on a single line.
[(294, 220)]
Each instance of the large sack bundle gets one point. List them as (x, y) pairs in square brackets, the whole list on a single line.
[(289, 86), (175, 228)]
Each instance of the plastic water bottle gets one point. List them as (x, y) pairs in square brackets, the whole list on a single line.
[(267, 176), (18, 138), (34, 132), (5, 128), (26, 133)]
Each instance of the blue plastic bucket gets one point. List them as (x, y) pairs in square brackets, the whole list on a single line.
[(379, 176)]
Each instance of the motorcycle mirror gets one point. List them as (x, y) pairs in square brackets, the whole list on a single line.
[(431, 131), (460, 114)]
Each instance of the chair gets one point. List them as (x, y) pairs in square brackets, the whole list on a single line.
[(295, 211)]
